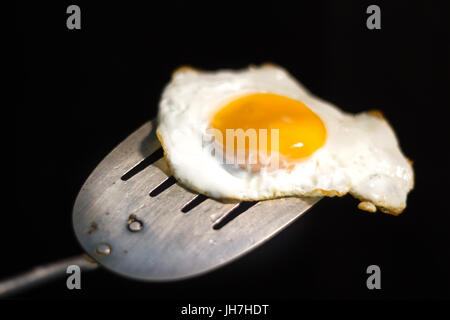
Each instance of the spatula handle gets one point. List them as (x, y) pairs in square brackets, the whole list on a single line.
[(42, 274)]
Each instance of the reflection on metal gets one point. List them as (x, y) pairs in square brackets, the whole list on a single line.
[(165, 243)]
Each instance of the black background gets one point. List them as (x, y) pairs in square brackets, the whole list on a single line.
[(83, 91)]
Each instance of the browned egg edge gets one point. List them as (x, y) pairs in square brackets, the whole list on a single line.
[(316, 192), (364, 203)]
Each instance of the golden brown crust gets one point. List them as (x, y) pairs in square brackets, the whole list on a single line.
[(328, 193), (411, 163), (367, 206), (270, 64), (377, 113), (383, 207), (169, 168)]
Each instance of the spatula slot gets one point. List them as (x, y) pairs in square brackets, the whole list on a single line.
[(226, 218), (150, 238), (193, 203), (158, 154), (163, 186)]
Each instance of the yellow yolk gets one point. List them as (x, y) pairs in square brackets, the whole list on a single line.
[(301, 132)]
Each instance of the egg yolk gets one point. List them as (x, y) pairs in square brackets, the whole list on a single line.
[(300, 131)]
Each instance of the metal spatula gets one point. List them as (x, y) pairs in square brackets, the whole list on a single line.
[(135, 220)]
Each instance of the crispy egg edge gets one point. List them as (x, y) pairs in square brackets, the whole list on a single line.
[(382, 206)]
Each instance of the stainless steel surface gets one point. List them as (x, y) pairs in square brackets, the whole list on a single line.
[(43, 274), (166, 243)]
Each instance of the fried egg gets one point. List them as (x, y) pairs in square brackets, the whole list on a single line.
[(258, 134)]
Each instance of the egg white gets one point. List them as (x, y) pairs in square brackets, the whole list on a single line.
[(361, 155)]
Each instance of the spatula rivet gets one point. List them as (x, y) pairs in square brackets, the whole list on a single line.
[(135, 226), (103, 249)]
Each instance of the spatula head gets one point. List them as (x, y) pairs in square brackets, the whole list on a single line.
[(137, 221)]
